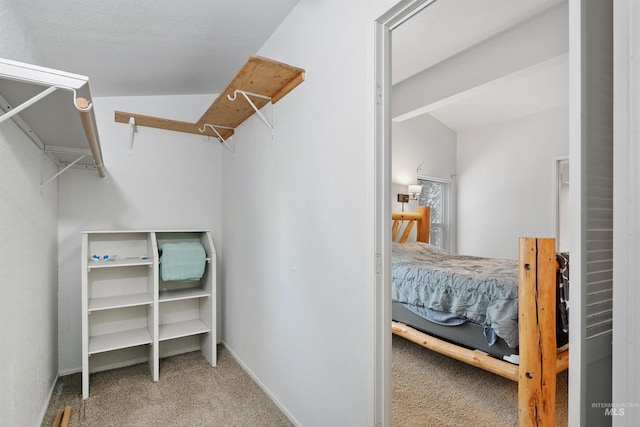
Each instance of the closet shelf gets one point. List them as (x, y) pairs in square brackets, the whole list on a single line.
[(182, 294), (261, 79), (119, 301), (169, 331), (119, 340), (53, 108), (126, 262)]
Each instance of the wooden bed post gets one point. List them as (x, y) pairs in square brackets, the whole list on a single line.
[(536, 326), (424, 224), (422, 217)]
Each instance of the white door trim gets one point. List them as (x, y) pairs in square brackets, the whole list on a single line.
[(382, 217)]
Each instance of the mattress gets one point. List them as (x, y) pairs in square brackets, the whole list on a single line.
[(477, 297), (482, 290), (468, 334)]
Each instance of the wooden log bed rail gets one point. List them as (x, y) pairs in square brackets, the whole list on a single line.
[(539, 360)]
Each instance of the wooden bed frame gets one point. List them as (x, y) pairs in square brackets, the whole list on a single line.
[(539, 359)]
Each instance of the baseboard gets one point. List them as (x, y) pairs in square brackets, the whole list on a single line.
[(261, 385), (69, 372), (43, 413)]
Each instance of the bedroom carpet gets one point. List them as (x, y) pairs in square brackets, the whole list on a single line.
[(433, 390), (429, 390)]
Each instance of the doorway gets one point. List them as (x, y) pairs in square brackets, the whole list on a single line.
[(384, 28)]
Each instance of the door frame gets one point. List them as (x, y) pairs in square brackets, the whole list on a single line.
[(402, 11), (395, 16)]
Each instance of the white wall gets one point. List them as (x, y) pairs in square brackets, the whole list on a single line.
[(425, 142), (172, 180), (28, 257), (28, 281), (298, 215), (421, 141), (505, 182)]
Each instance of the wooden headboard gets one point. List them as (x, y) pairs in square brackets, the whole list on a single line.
[(422, 217)]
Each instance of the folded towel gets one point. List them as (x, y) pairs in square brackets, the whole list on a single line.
[(182, 261)]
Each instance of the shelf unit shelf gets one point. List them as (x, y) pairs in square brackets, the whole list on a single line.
[(119, 340), (127, 306), (119, 301), (182, 294), (170, 331), (119, 263)]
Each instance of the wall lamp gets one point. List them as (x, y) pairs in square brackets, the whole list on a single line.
[(414, 191)]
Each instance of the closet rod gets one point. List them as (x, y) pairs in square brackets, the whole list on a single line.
[(84, 107)]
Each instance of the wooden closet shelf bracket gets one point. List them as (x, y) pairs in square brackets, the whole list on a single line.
[(262, 79)]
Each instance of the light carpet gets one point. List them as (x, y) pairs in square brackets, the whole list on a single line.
[(433, 390), (189, 393), (429, 390)]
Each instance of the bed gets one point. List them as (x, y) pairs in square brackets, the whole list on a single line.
[(503, 316)]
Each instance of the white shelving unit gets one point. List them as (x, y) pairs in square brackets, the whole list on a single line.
[(130, 315), (186, 310)]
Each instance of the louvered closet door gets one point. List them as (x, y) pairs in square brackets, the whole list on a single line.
[(591, 298), (626, 275)]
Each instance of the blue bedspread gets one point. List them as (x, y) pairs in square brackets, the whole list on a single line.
[(483, 290)]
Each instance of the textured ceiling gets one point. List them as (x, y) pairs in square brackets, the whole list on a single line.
[(151, 47)]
